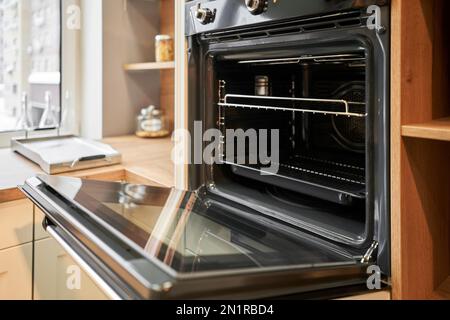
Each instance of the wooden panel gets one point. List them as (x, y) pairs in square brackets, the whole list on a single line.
[(420, 173), (39, 232), (434, 130), (381, 295), (148, 158), (167, 98), (444, 289), (116, 173), (149, 66), (16, 223), (396, 141), (11, 194), (15, 273), (52, 269), (133, 177), (426, 181), (423, 82)]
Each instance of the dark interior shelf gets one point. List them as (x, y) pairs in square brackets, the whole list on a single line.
[(325, 179)]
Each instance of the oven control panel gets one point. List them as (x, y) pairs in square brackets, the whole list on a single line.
[(257, 6), (215, 15), (204, 15)]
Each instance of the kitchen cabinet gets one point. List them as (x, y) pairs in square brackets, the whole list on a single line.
[(16, 235), (39, 232), (15, 273), (16, 223), (420, 149), (56, 275), (167, 69)]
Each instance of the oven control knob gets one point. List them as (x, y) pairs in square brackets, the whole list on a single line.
[(256, 6), (204, 15)]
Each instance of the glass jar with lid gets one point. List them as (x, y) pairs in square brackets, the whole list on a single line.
[(164, 48), (152, 123)]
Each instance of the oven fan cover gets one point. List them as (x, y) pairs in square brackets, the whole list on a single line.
[(350, 133)]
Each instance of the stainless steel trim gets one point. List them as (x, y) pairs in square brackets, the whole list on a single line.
[(368, 256), (86, 268)]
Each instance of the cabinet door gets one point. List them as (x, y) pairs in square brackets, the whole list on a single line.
[(16, 223), (39, 232), (58, 277), (15, 273)]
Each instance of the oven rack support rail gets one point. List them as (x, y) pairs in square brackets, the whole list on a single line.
[(346, 105), (335, 58)]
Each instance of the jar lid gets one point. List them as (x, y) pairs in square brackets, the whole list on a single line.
[(163, 37), (152, 111)]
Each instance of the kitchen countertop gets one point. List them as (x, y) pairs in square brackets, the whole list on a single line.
[(141, 159)]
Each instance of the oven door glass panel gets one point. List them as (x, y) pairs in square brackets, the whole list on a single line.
[(194, 236)]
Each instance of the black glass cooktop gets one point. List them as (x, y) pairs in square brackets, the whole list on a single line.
[(193, 232)]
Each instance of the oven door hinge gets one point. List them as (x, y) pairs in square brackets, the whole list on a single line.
[(369, 254)]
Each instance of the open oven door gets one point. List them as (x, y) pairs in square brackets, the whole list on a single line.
[(155, 243)]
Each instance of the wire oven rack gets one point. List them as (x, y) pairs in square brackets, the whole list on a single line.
[(328, 180), (329, 105)]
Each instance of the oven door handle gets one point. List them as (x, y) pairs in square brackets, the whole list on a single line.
[(52, 231)]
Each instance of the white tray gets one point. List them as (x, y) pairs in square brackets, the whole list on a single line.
[(66, 153)]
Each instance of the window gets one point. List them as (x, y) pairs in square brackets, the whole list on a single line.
[(31, 82)]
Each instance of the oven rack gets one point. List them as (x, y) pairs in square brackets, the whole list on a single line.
[(331, 163), (343, 177), (327, 180), (330, 103), (323, 174)]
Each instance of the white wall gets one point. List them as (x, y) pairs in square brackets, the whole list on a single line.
[(92, 69), (181, 171), (128, 37), (113, 35)]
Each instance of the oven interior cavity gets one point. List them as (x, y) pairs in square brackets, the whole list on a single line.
[(318, 105)]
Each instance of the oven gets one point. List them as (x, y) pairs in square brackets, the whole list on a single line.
[(321, 82), (309, 218)]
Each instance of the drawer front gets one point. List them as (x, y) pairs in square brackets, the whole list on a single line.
[(15, 273), (16, 223), (58, 277), (39, 231)]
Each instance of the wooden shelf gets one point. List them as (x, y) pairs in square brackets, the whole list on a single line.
[(147, 66), (444, 290), (433, 130), (420, 180)]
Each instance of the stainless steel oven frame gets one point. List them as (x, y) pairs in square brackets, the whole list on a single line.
[(206, 43)]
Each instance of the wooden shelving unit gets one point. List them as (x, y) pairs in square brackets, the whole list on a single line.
[(434, 130), (166, 69), (131, 77), (420, 126), (148, 66)]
